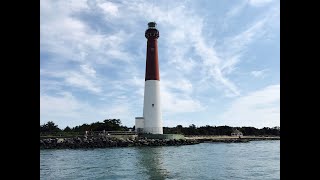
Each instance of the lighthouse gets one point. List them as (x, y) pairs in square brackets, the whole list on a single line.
[(151, 122)]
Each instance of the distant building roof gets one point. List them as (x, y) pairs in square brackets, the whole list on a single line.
[(237, 131)]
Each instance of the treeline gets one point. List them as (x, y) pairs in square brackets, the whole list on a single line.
[(220, 130), (115, 125), (108, 125)]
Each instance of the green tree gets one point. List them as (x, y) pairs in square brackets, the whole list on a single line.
[(179, 129), (67, 129), (49, 127)]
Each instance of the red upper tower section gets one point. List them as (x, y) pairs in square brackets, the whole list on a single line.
[(152, 64)]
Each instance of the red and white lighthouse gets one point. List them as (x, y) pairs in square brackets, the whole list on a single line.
[(151, 122)]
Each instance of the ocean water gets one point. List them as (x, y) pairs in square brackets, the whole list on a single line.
[(221, 161)]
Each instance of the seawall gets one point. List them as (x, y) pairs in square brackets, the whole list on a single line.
[(133, 141), (103, 142)]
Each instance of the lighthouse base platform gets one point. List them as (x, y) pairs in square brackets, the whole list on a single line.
[(162, 136)]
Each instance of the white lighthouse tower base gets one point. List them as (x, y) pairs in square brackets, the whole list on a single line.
[(151, 108)]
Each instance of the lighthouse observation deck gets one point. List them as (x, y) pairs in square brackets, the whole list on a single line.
[(152, 31)]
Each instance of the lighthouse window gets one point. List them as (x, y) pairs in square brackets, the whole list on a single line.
[(152, 105)]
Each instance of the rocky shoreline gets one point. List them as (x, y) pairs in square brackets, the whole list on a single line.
[(103, 142), (228, 139)]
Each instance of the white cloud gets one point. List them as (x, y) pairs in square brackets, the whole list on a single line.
[(172, 103), (180, 84), (87, 69), (50, 85), (70, 38), (109, 8), (59, 31), (259, 3), (176, 98), (237, 44), (228, 66), (235, 10), (67, 110), (85, 78), (64, 104), (259, 74), (78, 80), (234, 47), (73, 36), (259, 109), (61, 109)]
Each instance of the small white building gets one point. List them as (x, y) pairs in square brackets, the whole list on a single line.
[(139, 124), (237, 133)]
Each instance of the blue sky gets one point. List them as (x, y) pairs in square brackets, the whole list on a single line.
[(219, 61)]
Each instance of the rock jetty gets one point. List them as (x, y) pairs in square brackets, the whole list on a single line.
[(104, 142)]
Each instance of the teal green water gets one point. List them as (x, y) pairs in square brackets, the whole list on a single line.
[(254, 160)]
